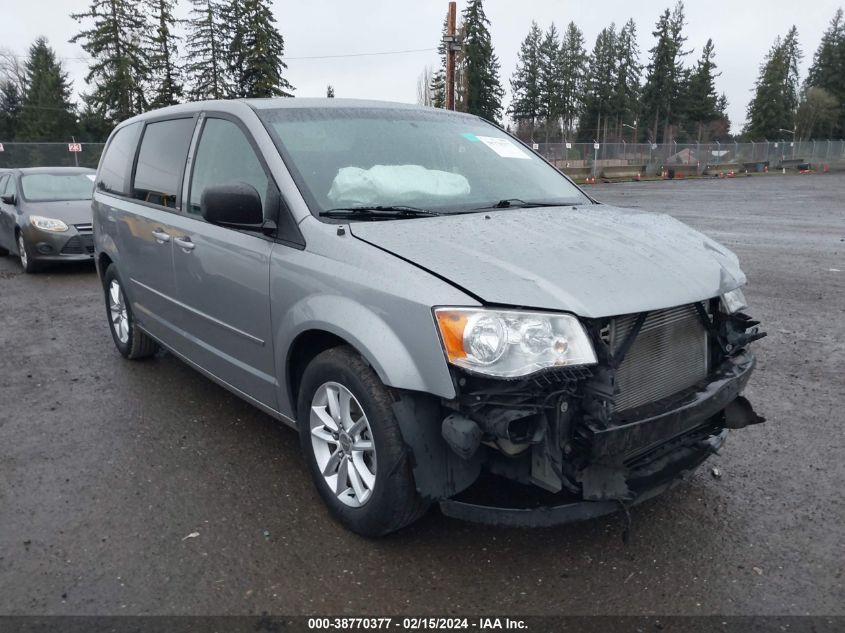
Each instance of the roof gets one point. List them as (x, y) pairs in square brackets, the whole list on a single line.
[(309, 102), (237, 106)]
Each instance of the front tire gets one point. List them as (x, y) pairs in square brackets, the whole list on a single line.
[(130, 341), (353, 447), (27, 263)]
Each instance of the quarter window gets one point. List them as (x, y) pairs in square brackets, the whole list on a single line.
[(224, 156), (164, 150), (117, 162)]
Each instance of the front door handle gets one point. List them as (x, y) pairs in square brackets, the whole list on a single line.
[(184, 243), (160, 236)]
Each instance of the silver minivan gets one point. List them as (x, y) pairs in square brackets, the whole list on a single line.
[(443, 315)]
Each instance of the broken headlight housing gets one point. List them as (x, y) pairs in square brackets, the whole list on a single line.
[(512, 343), (734, 301)]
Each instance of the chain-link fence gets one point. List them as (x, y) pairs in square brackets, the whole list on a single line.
[(68, 154), (577, 159), (628, 159)]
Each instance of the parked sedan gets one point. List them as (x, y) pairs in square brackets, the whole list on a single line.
[(45, 215)]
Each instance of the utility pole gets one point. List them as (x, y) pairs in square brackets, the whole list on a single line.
[(452, 47)]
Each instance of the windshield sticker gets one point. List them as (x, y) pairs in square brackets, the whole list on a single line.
[(503, 147), (470, 137)]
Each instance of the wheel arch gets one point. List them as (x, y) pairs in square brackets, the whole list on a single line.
[(348, 322), (103, 262)]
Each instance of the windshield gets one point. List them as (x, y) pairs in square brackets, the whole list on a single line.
[(45, 187), (429, 159)]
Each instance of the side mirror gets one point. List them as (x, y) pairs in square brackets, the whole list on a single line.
[(8, 199), (235, 204)]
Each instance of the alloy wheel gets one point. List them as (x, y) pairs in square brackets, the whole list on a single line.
[(343, 444), (22, 250), (118, 312)]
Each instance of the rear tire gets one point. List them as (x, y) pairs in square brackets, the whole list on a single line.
[(376, 493), (130, 341), (27, 263)]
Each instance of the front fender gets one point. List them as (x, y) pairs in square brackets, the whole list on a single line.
[(416, 365)]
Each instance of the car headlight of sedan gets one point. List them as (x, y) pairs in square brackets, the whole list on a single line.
[(734, 301), (47, 224), (512, 343)]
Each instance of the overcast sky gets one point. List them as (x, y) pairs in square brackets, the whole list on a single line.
[(742, 30)]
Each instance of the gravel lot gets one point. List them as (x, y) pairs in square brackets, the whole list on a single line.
[(106, 466)]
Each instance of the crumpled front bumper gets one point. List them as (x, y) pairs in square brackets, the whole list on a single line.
[(646, 477)]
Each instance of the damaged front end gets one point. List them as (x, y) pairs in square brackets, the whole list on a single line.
[(666, 388)]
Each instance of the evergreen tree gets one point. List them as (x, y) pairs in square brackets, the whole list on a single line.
[(438, 80), (828, 69), (722, 126), (93, 125), (661, 93), (628, 71), (600, 86), (207, 51), (120, 68), (775, 98), (162, 52), (573, 60), (47, 112), (550, 82), (525, 82), (480, 66), (701, 103), (256, 51), (10, 108), (235, 36)]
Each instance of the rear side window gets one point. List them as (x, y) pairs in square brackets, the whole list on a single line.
[(225, 156), (11, 186), (161, 161), (117, 161)]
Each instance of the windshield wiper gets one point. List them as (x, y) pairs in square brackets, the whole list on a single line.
[(518, 203), (378, 211)]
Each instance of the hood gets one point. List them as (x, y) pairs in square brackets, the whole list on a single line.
[(68, 211), (592, 260)]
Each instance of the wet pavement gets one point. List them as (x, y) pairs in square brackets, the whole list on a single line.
[(143, 488)]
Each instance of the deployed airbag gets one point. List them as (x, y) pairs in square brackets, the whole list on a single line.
[(394, 184)]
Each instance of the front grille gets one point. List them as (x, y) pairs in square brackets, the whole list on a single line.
[(668, 355), (79, 244), (84, 228)]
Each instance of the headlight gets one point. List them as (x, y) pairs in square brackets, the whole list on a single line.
[(47, 224), (734, 301), (511, 343)]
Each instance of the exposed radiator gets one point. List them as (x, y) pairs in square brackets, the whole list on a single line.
[(669, 355)]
